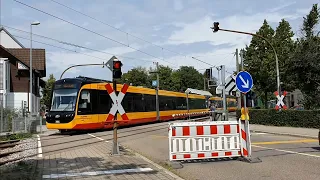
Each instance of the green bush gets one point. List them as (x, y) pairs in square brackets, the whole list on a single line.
[(19, 136), (293, 118)]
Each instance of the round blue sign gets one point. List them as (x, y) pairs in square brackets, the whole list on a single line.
[(244, 81)]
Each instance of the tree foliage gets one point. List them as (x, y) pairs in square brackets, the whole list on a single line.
[(299, 61), (173, 80), (305, 61), (259, 60), (46, 91)]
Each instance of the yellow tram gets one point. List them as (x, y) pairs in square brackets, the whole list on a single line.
[(84, 103)]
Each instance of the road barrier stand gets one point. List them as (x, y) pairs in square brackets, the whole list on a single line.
[(206, 140)]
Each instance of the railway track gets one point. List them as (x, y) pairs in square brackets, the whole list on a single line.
[(6, 150)]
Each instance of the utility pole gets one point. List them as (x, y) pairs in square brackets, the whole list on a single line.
[(223, 83), (157, 93), (204, 83), (238, 70)]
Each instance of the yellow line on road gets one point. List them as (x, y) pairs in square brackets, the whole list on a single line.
[(285, 142)]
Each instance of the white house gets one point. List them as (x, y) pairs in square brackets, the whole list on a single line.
[(14, 73)]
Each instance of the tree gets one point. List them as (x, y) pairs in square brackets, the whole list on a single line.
[(137, 76), (47, 90), (305, 62), (187, 77), (259, 60), (165, 77), (311, 21)]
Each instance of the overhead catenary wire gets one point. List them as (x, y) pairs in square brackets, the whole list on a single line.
[(103, 35), (72, 44), (16, 36), (118, 29), (90, 31)]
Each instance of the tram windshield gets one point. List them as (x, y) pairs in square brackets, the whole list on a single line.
[(64, 99)]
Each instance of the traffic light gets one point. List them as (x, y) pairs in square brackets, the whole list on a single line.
[(117, 69), (215, 27), (208, 73)]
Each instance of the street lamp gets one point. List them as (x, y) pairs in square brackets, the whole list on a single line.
[(216, 28), (30, 68)]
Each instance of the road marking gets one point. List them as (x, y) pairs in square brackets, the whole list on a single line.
[(292, 152), (97, 137), (39, 147), (285, 142), (95, 173), (259, 133)]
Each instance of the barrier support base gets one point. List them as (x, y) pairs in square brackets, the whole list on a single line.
[(175, 165), (250, 160)]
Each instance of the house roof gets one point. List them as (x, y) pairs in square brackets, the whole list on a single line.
[(38, 57), (12, 37), (5, 53)]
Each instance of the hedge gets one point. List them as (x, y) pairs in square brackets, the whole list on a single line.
[(293, 118)]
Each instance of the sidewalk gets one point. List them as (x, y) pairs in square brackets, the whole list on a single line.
[(95, 162), (292, 131)]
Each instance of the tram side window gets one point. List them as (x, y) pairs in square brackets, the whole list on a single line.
[(138, 103), (105, 102), (85, 105), (150, 102), (181, 103)]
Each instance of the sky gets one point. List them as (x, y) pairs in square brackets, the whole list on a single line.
[(141, 32)]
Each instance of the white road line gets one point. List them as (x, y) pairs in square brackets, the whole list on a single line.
[(259, 133), (292, 152), (39, 147), (95, 173), (96, 137)]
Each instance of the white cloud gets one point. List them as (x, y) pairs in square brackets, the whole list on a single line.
[(282, 6), (200, 31)]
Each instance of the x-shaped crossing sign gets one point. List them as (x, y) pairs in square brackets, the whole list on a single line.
[(117, 106), (280, 100)]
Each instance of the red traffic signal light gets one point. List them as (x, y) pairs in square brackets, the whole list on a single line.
[(117, 69), (117, 64)]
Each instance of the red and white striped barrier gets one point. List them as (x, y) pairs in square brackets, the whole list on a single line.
[(117, 102), (210, 139)]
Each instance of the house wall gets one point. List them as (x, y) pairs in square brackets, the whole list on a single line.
[(7, 41)]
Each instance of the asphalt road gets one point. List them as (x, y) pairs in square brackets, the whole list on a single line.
[(283, 157)]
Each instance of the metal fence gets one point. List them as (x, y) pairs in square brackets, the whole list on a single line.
[(14, 121)]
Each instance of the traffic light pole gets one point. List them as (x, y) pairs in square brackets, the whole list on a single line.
[(216, 28), (115, 149), (246, 126)]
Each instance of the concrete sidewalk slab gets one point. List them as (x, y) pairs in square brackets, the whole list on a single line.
[(290, 131), (96, 162)]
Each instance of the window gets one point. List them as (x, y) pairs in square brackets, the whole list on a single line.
[(150, 102), (85, 105), (104, 102), (64, 99)]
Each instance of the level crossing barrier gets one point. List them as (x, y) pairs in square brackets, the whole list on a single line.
[(210, 139)]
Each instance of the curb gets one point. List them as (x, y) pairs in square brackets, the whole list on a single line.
[(287, 134), (154, 164)]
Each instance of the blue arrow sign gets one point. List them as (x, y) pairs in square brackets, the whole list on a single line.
[(244, 81), (154, 83)]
